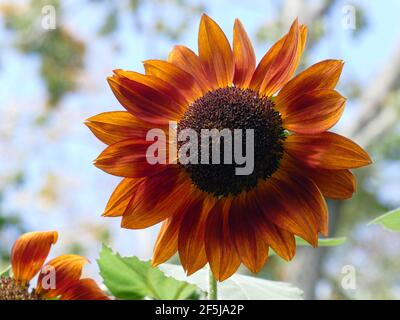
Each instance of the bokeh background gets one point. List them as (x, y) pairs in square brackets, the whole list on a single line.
[(51, 80)]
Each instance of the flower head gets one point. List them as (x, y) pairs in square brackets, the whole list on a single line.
[(211, 214), (59, 277)]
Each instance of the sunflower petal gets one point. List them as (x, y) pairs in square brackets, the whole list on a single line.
[(334, 184), (314, 112), (172, 74), (128, 159), (326, 150), (303, 39), (187, 60), (323, 75), (246, 233), (84, 289), (280, 240), (67, 268), (167, 240), (191, 235), (156, 199), (215, 53), (309, 197), (283, 205), (243, 53), (29, 254), (116, 126), (147, 97), (121, 197), (280, 62), (221, 253)]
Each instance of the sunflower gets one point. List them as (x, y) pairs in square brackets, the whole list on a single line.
[(58, 278), (208, 213)]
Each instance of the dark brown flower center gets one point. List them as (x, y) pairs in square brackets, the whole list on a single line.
[(11, 290), (234, 108)]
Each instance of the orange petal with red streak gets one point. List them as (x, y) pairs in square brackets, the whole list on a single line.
[(121, 197), (156, 199), (191, 234), (280, 62), (215, 53), (187, 60), (172, 74), (113, 127), (314, 112), (147, 97), (280, 240), (221, 253), (334, 184), (29, 254), (246, 233), (167, 240), (244, 56), (326, 150), (309, 197), (283, 205), (84, 289), (66, 269), (323, 75), (128, 158)]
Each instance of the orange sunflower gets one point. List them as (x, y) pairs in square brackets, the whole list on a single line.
[(60, 277), (209, 214)]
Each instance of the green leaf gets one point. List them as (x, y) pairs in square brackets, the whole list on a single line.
[(324, 242), (110, 23), (390, 220), (238, 287), (130, 278), (6, 272)]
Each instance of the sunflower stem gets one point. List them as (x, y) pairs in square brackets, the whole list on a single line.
[(213, 287)]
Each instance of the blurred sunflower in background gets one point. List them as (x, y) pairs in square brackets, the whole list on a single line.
[(209, 213), (60, 278)]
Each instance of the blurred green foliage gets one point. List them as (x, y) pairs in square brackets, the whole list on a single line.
[(9, 222), (61, 53)]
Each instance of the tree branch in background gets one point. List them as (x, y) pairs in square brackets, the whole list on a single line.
[(365, 128)]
